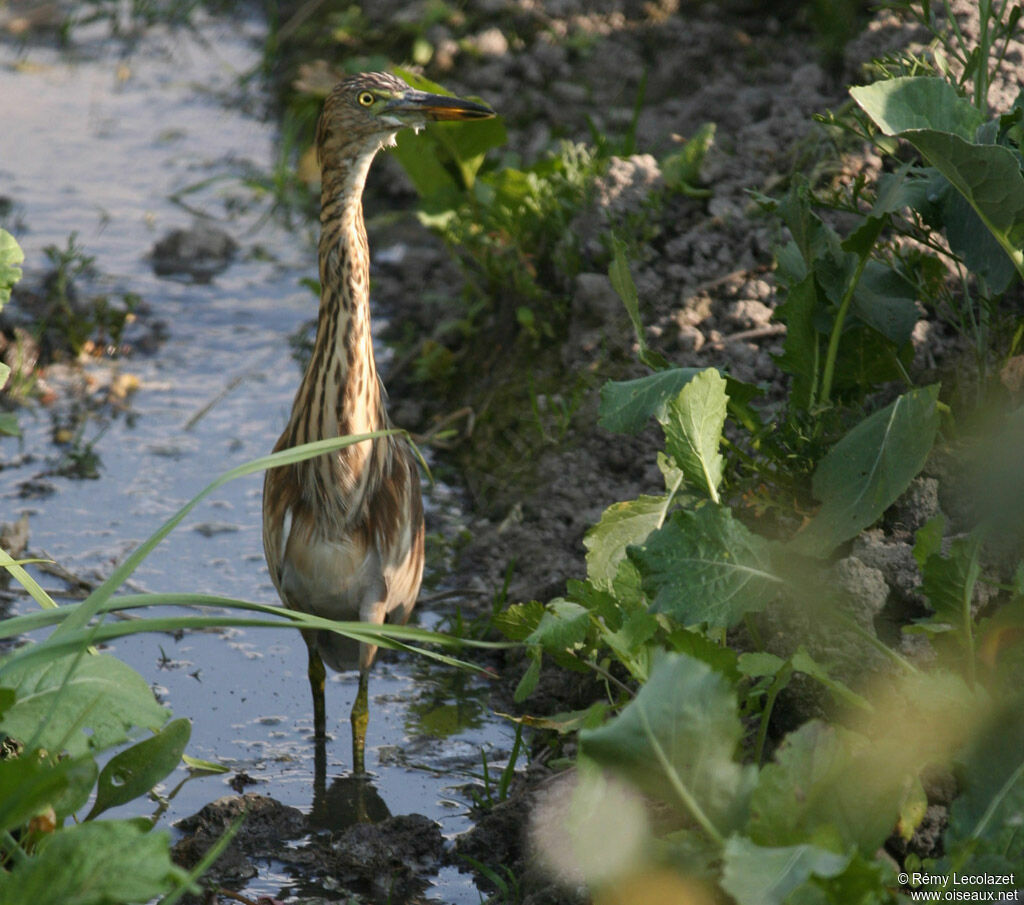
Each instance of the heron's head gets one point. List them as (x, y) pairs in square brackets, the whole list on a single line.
[(366, 110)]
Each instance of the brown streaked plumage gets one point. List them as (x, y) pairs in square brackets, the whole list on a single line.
[(343, 533)]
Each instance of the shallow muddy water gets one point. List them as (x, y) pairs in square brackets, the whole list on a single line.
[(96, 140)]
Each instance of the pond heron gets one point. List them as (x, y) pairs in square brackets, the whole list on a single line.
[(343, 532)]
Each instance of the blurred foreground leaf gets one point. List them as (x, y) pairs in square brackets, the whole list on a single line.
[(94, 864), (58, 701), (676, 741)]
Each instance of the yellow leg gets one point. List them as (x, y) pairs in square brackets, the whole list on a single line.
[(317, 677), (360, 717)]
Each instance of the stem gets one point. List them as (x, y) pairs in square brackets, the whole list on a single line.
[(982, 75), (782, 678), (837, 329), (973, 570)]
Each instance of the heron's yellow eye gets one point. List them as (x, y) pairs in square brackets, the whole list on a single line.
[(365, 99)]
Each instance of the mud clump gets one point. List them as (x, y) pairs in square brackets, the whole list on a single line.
[(267, 825), (391, 860)]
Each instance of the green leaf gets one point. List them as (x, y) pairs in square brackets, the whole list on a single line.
[(928, 539), (621, 525), (516, 622), (94, 864), (676, 741), (627, 405), (923, 102), (720, 658), (625, 288), (948, 583), (462, 143), (968, 236), (988, 811), (693, 423), (759, 663), (133, 773), (704, 566), (827, 786), (58, 700), (681, 169), (528, 682), (756, 875), (805, 663), (866, 471), (801, 355), (885, 301), (563, 627), (30, 783), (928, 113), (11, 257)]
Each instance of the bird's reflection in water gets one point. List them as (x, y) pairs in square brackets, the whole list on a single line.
[(347, 801)]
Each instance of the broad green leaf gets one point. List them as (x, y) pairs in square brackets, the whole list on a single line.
[(433, 183), (96, 863), (563, 626), (693, 423), (990, 805), (720, 658), (465, 144), (827, 786), (987, 176), (923, 102), (866, 471), (11, 257), (969, 237), (30, 783), (133, 773), (621, 524), (676, 741), (627, 405), (704, 566), (885, 301), (928, 113), (517, 621), (757, 875), (948, 582), (60, 700)]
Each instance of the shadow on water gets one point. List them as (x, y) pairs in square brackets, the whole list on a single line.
[(97, 141)]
